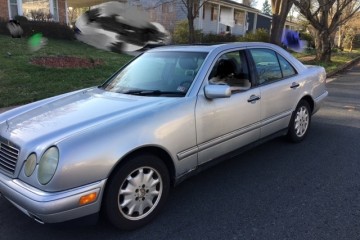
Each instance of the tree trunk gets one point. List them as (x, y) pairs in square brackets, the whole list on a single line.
[(323, 47), (275, 30), (341, 38), (280, 10), (277, 27), (191, 38)]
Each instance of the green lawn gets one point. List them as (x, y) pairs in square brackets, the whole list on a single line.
[(337, 59), (22, 82)]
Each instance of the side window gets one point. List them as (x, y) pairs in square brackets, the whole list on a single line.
[(286, 67), (232, 69), (266, 64)]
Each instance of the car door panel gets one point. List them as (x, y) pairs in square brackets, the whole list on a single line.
[(278, 101), (279, 87), (225, 124)]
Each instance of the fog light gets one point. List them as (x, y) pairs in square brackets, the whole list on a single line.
[(89, 198)]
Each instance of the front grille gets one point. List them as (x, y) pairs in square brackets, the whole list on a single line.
[(8, 157)]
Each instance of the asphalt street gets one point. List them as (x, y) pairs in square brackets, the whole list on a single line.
[(278, 190)]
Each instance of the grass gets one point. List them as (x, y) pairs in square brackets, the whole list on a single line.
[(22, 82), (337, 59)]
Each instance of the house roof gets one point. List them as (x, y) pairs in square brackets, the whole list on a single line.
[(89, 3), (239, 5), (85, 3)]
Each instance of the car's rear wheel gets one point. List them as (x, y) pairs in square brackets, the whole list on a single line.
[(136, 192), (300, 122)]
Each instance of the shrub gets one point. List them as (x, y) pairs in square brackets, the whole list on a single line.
[(307, 37), (20, 19), (48, 29), (218, 38), (261, 35), (181, 33)]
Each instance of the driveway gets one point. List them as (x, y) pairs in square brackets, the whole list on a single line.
[(278, 190)]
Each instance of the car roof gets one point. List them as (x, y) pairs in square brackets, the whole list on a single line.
[(210, 47), (217, 48)]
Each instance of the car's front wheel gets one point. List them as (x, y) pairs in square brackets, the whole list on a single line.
[(300, 122), (136, 192)]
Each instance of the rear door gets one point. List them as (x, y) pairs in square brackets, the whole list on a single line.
[(279, 86)]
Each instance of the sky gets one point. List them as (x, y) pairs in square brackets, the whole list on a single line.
[(260, 4)]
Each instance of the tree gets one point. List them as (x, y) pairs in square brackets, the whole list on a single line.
[(266, 8), (280, 10), (350, 31), (192, 8), (326, 16)]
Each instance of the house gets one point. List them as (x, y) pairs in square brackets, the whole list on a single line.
[(54, 9), (217, 16), (214, 16)]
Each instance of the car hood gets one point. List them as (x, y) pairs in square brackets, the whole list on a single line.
[(59, 118)]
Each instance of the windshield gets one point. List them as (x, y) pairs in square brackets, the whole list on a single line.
[(158, 74)]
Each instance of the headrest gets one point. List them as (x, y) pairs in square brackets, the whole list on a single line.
[(188, 63), (225, 67)]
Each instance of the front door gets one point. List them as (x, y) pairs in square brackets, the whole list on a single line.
[(225, 124)]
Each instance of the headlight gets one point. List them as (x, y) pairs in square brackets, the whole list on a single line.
[(30, 165), (47, 165)]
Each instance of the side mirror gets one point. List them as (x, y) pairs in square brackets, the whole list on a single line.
[(217, 91)]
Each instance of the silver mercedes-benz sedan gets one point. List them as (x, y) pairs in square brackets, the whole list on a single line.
[(119, 147)]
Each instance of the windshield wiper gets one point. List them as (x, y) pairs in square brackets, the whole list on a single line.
[(153, 92)]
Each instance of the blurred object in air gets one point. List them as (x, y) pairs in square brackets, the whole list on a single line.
[(36, 42), (14, 28), (291, 40), (117, 27)]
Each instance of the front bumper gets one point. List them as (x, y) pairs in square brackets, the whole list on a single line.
[(46, 207)]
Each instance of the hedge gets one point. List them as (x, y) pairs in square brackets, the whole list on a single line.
[(48, 29)]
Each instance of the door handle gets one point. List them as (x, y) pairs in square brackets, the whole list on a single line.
[(294, 85), (253, 98)]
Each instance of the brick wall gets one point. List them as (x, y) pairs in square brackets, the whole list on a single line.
[(4, 9), (62, 11)]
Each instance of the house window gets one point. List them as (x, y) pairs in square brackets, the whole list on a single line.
[(214, 13), (165, 7), (239, 17), (40, 9), (55, 12), (13, 8), (36, 9)]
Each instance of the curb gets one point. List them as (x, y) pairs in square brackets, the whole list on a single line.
[(7, 108), (343, 67)]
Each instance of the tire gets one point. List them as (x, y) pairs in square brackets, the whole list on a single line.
[(299, 122), (136, 192)]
